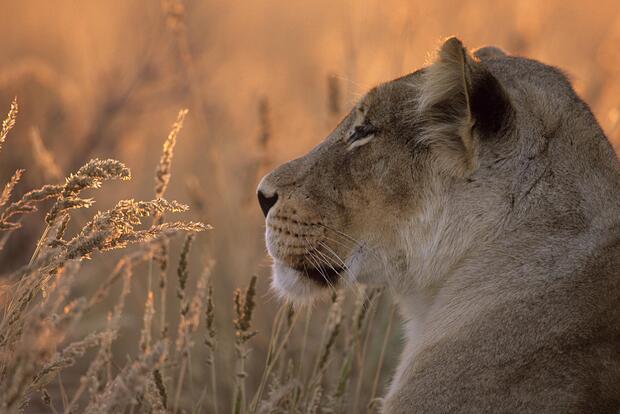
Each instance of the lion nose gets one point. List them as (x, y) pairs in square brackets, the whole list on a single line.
[(266, 201)]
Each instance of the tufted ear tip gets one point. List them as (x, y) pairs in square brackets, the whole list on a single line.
[(457, 96), (452, 47), (448, 78)]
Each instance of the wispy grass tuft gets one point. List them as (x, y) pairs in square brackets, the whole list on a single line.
[(9, 121), (43, 157), (54, 353), (243, 307), (163, 172)]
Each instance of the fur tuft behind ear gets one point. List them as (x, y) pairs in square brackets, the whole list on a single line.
[(489, 52), (458, 94)]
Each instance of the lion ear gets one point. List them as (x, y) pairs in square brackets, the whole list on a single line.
[(459, 97)]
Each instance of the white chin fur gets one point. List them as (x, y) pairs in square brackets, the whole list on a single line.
[(292, 285)]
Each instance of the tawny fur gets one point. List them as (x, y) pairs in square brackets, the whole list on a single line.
[(488, 202)]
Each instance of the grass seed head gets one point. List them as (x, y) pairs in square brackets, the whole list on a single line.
[(91, 175), (244, 306), (27, 204), (8, 188), (210, 319), (163, 171), (9, 121), (182, 271), (161, 387)]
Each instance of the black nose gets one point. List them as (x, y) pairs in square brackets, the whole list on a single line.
[(266, 202)]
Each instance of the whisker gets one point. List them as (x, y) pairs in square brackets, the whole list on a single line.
[(336, 256), (342, 241), (349, 283), (315, 260), (361, 245), (350, 245), (326, 260)]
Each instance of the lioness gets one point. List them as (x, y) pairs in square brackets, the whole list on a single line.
[(482, 192)]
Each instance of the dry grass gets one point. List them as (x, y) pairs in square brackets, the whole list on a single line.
[(264, 83), (38, 316), (42, 314)]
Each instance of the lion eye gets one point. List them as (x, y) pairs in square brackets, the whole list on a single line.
[(362, 131)]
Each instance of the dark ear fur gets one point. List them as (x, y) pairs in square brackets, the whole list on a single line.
[(490, 105), (460, 101)]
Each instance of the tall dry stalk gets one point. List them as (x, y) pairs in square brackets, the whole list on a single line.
[(375, 383), (163, 173), (265, 135), (244, 307), (42, 157), (94, 379), (211, 343), (189, 314), (175, 16), (131, 381), (277, 344), (370, 307), (9, 121), (330, 332)]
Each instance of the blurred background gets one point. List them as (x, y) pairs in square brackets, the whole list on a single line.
[(264, 81)]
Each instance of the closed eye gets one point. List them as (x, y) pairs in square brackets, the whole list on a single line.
[(362, 131)]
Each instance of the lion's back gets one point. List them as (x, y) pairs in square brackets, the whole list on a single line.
[(554, 351)]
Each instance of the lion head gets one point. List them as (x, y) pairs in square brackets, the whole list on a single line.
[(423, 169)]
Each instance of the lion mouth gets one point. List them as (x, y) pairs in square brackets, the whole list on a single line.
[(324, 275)]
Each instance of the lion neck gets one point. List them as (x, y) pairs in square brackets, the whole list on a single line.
[(461, 253), (438, 247)]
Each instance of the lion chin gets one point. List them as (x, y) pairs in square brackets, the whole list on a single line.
[(291, 284), (304, 284)]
